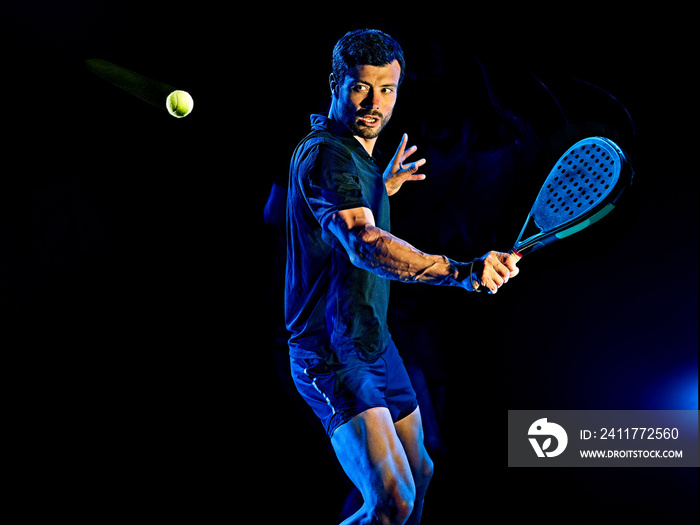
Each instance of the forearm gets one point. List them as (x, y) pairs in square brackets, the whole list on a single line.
[(379, 251)]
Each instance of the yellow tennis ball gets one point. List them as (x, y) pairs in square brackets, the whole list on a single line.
[(179, 103)]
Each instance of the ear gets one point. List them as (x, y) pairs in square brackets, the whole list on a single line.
[(334, 84)]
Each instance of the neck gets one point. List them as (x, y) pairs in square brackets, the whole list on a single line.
[(368, 144)]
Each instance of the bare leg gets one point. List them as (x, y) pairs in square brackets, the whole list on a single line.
[(410, 432), (371, 450)]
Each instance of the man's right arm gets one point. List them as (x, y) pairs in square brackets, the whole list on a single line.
[(379, 251)]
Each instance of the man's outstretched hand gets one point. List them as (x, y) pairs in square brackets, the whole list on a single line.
[(397, 173)]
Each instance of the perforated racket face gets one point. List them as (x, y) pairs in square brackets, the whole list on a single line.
[(579, 181)]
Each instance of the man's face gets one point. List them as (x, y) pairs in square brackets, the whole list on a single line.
[(365, 98)]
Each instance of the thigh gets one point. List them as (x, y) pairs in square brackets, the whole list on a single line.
[(372, 455), (410, 433)]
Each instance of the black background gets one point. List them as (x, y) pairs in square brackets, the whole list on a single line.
[(138, 288)]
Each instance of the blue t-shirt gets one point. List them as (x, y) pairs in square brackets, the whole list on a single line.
[(333, 309)]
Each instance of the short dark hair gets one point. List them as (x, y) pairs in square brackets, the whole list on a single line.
[(365, 47)]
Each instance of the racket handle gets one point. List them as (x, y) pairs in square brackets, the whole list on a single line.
[(513, 252)]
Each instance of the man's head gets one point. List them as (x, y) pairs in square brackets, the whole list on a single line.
[(366, 47), (368, 67)]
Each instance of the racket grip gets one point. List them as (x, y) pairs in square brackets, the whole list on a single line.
[(516, 253)]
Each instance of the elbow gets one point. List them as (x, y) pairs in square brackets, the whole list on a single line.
[(367, 246), (367, 235)]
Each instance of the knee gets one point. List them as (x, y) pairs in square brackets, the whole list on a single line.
[(395, 505), (398, 497), (423, 474)]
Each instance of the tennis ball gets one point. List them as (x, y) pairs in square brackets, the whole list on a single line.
[(179, 103)]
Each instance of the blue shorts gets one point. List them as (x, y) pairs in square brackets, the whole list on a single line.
[(339, 392)]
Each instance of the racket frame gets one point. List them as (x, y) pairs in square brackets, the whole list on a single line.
[(581, 221)]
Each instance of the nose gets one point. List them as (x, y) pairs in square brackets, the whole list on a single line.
[(372, 100)]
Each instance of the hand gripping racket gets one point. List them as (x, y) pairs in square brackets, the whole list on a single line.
[(582, 188)]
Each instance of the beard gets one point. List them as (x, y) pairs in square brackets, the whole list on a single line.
[(359, 128)]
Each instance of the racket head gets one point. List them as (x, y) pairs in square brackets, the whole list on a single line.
[(581, 188)]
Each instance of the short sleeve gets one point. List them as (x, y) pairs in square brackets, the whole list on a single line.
[(330, 183)]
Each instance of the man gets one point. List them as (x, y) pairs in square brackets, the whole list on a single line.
[(340, 260)]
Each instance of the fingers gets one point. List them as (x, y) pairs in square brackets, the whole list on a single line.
[(498, 269), (408, 173), (413, 167), (418, 176), (510, 261), (396, 173), (399, 156), (407, 153), (402, 154)]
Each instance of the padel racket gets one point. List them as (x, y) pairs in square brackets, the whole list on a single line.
[(583, 187)]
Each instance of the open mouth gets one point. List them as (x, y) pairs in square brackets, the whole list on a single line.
[(369, 120)]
